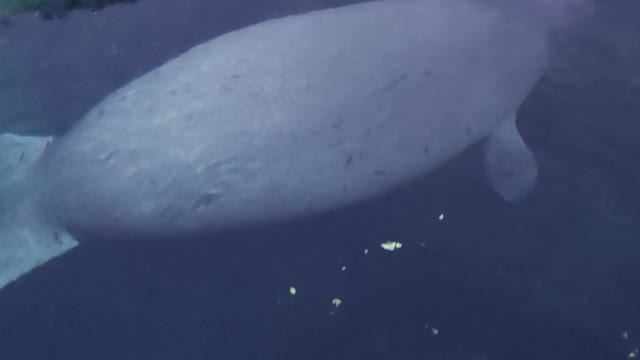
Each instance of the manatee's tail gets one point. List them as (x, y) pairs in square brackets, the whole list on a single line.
[(26, 240)]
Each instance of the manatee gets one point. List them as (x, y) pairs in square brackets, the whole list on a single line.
[(282, 119)]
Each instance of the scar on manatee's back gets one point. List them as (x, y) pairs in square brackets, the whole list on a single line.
[(56, 237), (205, 200), (429, 74), (392, 84), (337, 125), (106, 158), (348, 161)]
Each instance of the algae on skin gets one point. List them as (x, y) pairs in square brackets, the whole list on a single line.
[(17, 6), (53, 8)]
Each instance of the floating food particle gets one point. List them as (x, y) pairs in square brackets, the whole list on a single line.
[(625, 335), (366, 251), (434, 331), (391, 245), (292, 290), (343, 268), (441, 217), (336, 302)]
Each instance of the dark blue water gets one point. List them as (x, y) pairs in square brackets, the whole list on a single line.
[(553, 277)]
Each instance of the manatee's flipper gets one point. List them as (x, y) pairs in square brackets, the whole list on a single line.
[(26, 240), (26, 246), (511, 167)]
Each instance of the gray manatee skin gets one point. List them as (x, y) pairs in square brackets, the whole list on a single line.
[(292, 116), (283, 119)]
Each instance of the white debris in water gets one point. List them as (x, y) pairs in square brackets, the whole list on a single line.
[(336, 302), (292, 290), (343, 268), (625, 335), (366, 251), (391, 245), (441, 217), (434, 330)]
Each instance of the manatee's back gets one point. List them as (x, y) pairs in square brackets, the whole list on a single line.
[(228, 132), (232, 122)]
